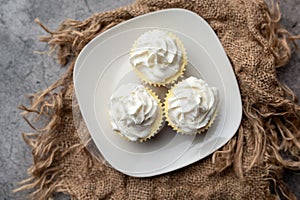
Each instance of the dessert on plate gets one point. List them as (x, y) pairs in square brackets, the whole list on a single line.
[(191, 106), (158, 57), (135, 112)]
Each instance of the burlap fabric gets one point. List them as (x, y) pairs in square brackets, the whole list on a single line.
[(248, 167)]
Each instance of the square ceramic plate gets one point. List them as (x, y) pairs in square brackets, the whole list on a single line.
[(103, 65)]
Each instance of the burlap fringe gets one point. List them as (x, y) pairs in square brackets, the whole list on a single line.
[(275, 125)]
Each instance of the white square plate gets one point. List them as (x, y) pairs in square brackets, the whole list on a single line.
[(103, 65)]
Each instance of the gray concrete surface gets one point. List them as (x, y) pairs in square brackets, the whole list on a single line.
[(22, 71)]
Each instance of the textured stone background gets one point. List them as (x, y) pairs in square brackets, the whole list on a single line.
[(22, 71)]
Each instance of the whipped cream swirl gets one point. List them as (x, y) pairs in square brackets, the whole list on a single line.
[(133, 110), (156, 56), (192, 105)]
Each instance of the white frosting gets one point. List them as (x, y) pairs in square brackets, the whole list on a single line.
[(192, 105), (156, 55), (133, 111)]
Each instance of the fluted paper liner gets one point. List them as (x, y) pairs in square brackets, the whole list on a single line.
[(171, 80)]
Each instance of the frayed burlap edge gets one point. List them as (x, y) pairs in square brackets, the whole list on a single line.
[(276, 123)]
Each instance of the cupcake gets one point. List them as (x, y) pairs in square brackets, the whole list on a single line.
[(158, 57), (135, 112), (191, 106)]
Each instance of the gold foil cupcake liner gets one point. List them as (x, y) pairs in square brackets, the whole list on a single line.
[(177, 129), (171, 80)]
